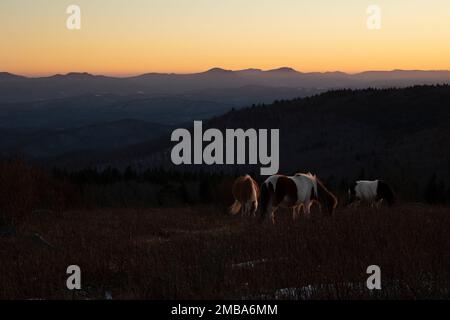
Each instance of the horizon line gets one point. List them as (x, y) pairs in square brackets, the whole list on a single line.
[(133, 74)]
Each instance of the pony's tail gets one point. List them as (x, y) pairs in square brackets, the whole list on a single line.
[(235, 208)]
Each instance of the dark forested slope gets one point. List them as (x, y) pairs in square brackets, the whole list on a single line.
[(398, 134)]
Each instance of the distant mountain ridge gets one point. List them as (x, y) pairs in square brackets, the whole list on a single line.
[(218, 70), (15, 88)]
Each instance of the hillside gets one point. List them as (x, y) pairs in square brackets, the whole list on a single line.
[(399, 134), (99, 136), (27, 127)]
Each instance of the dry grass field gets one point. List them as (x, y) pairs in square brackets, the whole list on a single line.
[(202, 253)]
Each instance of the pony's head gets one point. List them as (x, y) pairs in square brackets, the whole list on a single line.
[(351, 195), (267, 191), (385, 192), (326, 198)]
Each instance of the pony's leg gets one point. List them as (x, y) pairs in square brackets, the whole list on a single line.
[(312, 206), (356, 204), (249, 208), (379, 204), (307, 209), (300, 210), (320, 207), (254, 207), (246, 209), (272, 214), (295, 211)]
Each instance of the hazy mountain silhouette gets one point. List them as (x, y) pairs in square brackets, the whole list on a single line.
[(6, 76), (16, 88)]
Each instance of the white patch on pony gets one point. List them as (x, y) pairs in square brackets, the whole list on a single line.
[(366, 190), (311, 180), (305, 183)]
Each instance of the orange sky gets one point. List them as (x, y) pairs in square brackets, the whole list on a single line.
[(121, 37)]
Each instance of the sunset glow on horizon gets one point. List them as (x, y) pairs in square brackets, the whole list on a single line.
[(132, 37)]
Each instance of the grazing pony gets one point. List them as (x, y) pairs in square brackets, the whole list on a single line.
[(371, 192), (246, 195), (294, 192), (325, 198)]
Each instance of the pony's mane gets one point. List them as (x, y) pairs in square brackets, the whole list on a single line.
[(308, 175)]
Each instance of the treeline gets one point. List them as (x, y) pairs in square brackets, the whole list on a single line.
[(111, 187), (26, 190), (164, 186)]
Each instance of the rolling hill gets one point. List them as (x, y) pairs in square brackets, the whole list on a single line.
[(96, 137), (402, 135)]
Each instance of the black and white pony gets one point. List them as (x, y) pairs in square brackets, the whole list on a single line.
[(371, 192), (295, 192)]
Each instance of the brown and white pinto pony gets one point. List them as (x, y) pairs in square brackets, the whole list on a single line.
[(295, 192), (246, 195)]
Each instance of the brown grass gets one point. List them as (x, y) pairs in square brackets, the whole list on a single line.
[(200, 253), (25, 190)]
